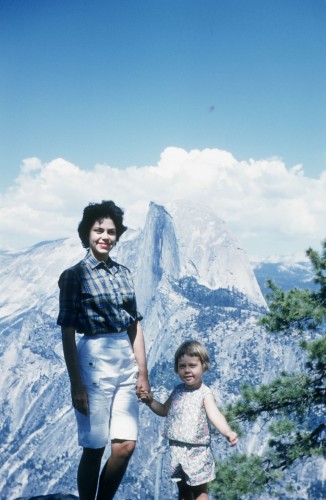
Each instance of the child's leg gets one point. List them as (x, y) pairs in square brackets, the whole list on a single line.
[(185, 491), (200, 492)]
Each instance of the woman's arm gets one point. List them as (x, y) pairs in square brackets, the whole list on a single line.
[(136, 336), (78, 391), (218, 420)]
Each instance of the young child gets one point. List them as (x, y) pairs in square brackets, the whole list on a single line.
[(188, 409)]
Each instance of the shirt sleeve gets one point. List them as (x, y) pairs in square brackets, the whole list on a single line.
[(69, 299), (132, 306), (139, 316)]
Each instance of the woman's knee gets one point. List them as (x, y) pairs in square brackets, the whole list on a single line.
[(122, 449)]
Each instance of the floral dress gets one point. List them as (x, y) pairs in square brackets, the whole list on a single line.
[(188, 431)]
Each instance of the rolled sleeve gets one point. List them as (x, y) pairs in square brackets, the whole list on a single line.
[(139, 316), (69, 299), (132, 308)]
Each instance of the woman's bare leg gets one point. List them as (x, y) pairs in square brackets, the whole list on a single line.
[(115, 468), (88, 473)]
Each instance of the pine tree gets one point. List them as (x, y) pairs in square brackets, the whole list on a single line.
[(294, 403)]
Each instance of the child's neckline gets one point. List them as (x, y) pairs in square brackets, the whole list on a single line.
[(192, 388)]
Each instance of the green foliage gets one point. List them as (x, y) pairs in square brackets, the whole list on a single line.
[(316, 363), (239, 476), (288, 309), (319, 265), (301, 309), (291, 407), (287, 392), (282, 426)]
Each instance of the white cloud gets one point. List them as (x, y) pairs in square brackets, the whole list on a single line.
[(31, 165), (271, 208)]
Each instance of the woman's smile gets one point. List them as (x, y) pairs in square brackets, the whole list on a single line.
[(102, 238)]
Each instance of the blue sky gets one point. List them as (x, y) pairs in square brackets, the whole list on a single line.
[(117, 82)]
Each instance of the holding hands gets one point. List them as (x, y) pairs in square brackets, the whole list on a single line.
[(143, 390)]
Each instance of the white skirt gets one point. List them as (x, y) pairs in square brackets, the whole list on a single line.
[(109, 371)]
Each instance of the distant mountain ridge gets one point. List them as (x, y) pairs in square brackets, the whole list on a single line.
[(285, 274), (193, 280)]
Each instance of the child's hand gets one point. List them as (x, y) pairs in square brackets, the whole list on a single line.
[(145, 397), (232, 438)]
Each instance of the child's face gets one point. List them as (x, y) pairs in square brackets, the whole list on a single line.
[(190, 371)]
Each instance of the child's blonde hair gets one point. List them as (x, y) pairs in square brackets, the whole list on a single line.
[(192, 348)]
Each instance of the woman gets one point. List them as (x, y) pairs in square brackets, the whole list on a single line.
[(97, 299)]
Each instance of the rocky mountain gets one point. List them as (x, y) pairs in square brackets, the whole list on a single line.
[(284, 273), (193, 280)]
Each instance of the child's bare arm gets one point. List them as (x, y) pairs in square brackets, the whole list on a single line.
[(218, 420), (160, 409)]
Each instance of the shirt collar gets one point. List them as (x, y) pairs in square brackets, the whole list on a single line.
[(109, 265)]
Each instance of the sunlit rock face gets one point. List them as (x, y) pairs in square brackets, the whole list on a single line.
[(55, 496), (193, 280)]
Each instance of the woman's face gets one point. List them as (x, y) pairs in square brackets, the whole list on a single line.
[(102, 238)]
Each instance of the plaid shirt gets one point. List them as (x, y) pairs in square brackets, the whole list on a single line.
[(97, 297)]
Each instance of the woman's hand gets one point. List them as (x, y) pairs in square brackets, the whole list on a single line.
[(136, 336), (79, 398), (143, 389)]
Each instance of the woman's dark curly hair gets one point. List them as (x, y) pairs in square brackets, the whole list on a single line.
[(97, 212)]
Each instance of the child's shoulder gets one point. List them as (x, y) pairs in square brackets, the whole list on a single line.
[(205, 389)]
